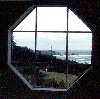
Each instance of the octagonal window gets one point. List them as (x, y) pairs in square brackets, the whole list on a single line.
[(50, 48)]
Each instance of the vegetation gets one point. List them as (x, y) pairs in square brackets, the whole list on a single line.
[(59, 79), (33, 67)]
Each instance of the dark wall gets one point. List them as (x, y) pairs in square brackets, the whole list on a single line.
[(88, 86)]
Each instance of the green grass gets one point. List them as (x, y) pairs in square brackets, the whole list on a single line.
[(52, 77), (58, 77)]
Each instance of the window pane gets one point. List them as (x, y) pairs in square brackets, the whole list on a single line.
[(28, 24), (51, 18), (50, 49), (24, 39), (47, 39), (23, 54), (75, 24), (80, 46)]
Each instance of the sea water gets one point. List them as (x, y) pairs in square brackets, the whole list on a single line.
[(83, 56)]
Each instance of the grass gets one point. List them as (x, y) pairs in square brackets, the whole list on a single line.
[(54, 77), (59, 77)]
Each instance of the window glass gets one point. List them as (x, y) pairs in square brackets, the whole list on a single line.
[(23, 49), (47, 39), (27, 24), (79, 52), (50, 48), (24, 39), (51, 18), (75, 24), (40, 45)]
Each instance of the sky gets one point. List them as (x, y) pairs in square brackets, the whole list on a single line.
[(53, 19)]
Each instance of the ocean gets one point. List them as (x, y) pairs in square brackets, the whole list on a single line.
[(80, 56)]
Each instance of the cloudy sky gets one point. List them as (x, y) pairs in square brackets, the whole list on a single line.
[(53, 19)]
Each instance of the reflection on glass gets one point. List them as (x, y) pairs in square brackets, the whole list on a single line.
[(80, 45), (51, 18), (28, 24), (75, 24)]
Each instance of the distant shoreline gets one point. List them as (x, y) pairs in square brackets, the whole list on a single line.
[(77, 58), (70, 52)]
